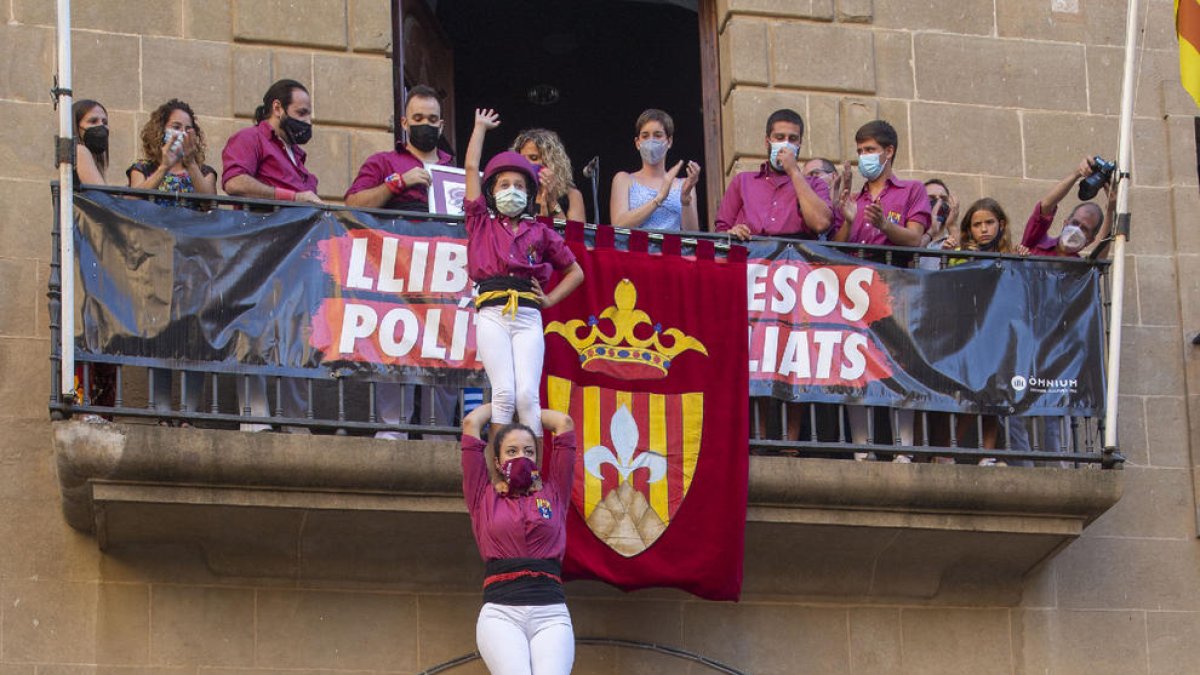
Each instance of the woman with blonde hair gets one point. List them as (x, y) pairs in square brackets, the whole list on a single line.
[(558, 196)]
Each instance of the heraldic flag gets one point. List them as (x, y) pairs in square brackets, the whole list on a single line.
[(649, 357), (1187, 27)]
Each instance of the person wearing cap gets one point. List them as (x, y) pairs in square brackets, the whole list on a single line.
[(510, 256)]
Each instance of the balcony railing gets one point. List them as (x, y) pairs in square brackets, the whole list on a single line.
[(334, 404)]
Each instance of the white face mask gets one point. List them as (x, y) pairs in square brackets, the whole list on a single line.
[(511, 201), (779, 147), (652, 150), (1073, 239)]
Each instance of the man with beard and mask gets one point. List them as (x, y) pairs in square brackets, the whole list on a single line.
[(1083, 226), (266, 161), (778, 199), (397, 179)]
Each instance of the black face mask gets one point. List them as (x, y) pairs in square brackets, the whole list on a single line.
[(96, 139), (423, 137), (298, 130)]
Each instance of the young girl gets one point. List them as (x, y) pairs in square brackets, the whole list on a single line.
[(558, 196), (520, 529), (510, 257)]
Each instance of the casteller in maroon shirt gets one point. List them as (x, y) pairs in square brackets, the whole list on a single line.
[(383, 164), (1036, 238), (766, 202), (257, 152), (534, 251)]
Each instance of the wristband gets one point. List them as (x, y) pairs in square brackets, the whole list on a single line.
[(285, 195), (395, 183)]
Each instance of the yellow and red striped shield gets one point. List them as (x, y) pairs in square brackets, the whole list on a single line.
[(638, 455)]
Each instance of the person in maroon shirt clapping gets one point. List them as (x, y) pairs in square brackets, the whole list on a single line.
[(520, 525)]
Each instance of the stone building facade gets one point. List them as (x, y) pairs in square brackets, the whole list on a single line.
[(998, 97)]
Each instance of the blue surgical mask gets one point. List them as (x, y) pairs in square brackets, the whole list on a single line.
[(871, 166), (653, 151), (782, 146), (511, 201)]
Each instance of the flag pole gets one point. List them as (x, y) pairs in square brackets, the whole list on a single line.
[(1121, 234), (65, 156)]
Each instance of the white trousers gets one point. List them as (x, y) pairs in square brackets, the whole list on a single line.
[(526, 640), (511, 349)]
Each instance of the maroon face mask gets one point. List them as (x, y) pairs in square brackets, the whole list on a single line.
[(520, 473)]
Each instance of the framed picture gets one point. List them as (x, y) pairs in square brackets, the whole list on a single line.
[(447, 189)]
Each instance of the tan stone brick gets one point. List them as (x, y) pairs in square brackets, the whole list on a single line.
[(801, 9), (855, 11), (853, 114), (1173, 641), (121, 670), (744, 53), (329, 159), (1149, 147), (251, 78), (312, 23), (370, 25), (34, 12), (18, 309), (956, 641), (38, 542), (1135, 574), (364, 143), (28, 467), (124, 143), (7, 669), (337, 630), (1158, 290), (1155, 503), (353, 89), (26, 217), (951, 138), (1002, 73), (875, 641), (893, 64), (294, 65), (123, 624), (822, 127), (447, 627), (953, 16), (1152, 225), (1163, 69), (29, 64), (1080, 642), (1056, 142), (1130, 309), (27, 361), (1159, 381), (1185, 204), (813, 56), (745, 116), (1092, 23), (102, 64), (1104, 74), (1181, 135), (137, 17), (652, 620), (206, 626), (48, 621), (206, 65), (208, 20), (897, 114), (772, 638)]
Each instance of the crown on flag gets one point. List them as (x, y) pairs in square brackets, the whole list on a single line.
[(622, 354)]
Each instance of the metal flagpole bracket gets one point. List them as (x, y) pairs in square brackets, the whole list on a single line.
[(1121, 227), (64, 151), (57, 92)]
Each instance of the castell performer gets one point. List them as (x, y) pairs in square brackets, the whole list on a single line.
[(510, 257), (520, 527)]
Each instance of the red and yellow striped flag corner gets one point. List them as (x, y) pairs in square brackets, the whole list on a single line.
[(1187, 24)]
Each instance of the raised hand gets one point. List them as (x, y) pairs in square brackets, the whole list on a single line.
[(487, 118), (874, 215), (693, 177), (668, 181)]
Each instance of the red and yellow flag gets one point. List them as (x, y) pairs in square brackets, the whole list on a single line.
[(1187, 24)]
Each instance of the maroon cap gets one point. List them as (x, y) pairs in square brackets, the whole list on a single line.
[(512, 161)]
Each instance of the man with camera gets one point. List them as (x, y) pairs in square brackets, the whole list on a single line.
[(1086, 222)]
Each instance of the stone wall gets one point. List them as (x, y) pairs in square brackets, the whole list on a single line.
[(999, 97)]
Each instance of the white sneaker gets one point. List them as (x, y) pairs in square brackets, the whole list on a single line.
[(861, 456), (988, 461), (254, 428), (391, 435), (93, 418), (902, 459)]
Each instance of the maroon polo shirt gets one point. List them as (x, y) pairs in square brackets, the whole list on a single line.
[(1036, 238), (383, 164), (493, 249), (766, 201), (901, 200), (257, 152)]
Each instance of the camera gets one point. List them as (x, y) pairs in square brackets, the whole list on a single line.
[(1089, 186)]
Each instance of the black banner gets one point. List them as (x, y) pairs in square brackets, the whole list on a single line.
[(310, 292)]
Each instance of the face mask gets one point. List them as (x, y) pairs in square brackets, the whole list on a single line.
[(423, 137), (520, 473), (782, 146), (1073, 239), (653, 151), (511, 202), (96, 139), (871, 166), (298, 130)]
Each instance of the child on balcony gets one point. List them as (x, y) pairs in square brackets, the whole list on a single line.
[(510, 256)]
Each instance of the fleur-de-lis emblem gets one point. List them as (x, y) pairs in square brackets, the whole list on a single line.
[(624, 432)]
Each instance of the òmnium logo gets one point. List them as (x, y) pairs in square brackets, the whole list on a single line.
[(1041, 385)]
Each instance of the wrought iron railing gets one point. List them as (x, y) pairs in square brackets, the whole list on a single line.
[(335, 405)]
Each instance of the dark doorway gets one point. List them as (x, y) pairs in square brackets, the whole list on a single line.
[(584, 68)]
